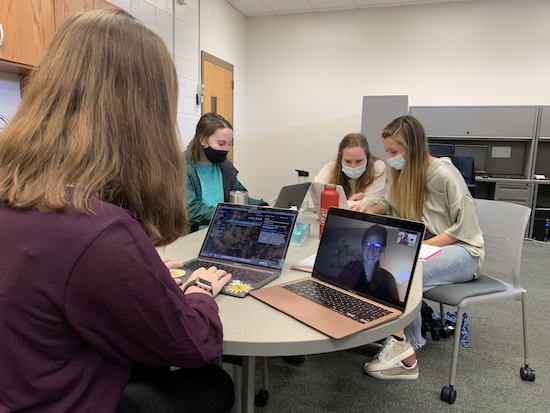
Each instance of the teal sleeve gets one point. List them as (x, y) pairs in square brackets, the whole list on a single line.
[(199, 213)]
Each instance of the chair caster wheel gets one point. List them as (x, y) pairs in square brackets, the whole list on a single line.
[(448, 394), (527, 373), (261, 398)]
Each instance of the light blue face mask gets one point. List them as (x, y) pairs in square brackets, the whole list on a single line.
[(354, 173), (397, 162)]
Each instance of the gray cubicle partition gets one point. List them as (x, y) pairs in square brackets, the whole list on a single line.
[(507, 131), (517, 138), (541, 166), (378, 111), (542, 161), (477, 121)]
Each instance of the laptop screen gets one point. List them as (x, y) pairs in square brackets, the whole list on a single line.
[(250, 235), (373, 255), (317, 188)]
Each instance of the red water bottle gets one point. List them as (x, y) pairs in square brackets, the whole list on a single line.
[(329, 198)]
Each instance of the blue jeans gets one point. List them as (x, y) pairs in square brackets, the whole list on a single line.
[(453, 265)]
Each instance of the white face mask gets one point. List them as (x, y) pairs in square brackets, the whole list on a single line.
[(397, 162), (354, 173)]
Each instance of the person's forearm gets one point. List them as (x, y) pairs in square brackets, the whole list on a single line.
[(441, 240), (378, 209)]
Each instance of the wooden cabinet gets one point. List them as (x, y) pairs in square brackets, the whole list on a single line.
[(66, 8), (28, 28), (29, 25)]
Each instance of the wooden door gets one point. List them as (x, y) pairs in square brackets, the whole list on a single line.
[(217, 78), (28, 27)]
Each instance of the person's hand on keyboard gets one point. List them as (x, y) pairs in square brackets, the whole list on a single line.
[(171, 264), (218, 278)]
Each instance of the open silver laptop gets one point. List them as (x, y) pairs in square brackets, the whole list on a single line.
[(248, 241), (343, 296), (315, 196)]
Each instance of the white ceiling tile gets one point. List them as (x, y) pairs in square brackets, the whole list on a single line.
[(335, 8), (294, 11), (270, 13), (331, 4), (288, 5), (372, 3), (413, 2), (270, 7), (250, 6)]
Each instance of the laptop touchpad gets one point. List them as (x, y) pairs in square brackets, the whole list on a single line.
[(307, 310)]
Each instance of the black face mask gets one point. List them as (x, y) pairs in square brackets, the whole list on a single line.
[(214, 155)]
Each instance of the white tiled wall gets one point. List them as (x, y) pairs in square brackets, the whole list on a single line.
[(10, 95), (222, 34)]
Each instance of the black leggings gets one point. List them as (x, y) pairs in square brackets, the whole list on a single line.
[(207, 389)]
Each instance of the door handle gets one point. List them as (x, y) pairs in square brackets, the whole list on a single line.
[(1, 35)]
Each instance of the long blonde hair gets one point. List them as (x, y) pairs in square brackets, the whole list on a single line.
[(353, 140), (99, 115), (408, 186)]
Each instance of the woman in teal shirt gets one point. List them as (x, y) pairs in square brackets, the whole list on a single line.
[(210, 176)]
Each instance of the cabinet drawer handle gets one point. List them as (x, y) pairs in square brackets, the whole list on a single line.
[(1, 35)]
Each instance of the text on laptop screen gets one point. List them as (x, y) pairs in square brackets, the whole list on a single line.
[(257, 237), (375, 260)]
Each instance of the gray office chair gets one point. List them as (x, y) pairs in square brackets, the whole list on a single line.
[(503, 225)]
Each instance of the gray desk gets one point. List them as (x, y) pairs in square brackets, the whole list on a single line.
[(252, 328)]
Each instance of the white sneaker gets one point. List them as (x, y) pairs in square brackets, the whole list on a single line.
[(397, 372), (392, 352)]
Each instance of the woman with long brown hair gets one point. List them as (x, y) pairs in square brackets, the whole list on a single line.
[(357, 170), (91, 180), (431, 190)]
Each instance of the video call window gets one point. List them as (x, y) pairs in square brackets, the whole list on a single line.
[(348, 244), (407, 238)]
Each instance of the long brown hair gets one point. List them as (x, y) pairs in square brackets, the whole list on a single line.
[(208, 124), (353, 140), (408, 186), (99, 115)]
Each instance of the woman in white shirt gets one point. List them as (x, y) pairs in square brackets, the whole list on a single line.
[(357, 170)]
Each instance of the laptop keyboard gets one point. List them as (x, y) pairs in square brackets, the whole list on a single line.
[(358, 310), (245, 275)]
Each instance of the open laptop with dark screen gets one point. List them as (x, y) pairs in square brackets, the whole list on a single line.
[(361, 277), (292, 195), (248, 241)]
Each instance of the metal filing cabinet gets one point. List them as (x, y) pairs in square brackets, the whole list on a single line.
[(514, 192)]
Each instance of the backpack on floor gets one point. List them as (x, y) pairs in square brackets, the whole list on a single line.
[(428, 322)]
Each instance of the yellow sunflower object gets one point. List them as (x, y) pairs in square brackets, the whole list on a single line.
[(237, 287)]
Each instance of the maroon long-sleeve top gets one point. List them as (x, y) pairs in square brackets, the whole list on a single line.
[(83, 298)]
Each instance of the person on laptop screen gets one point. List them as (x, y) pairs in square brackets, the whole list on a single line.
[(210, 175), (366, 274), (431, 190), (357, 170)]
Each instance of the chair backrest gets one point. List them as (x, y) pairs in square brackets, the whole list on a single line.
[(503, 225)]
